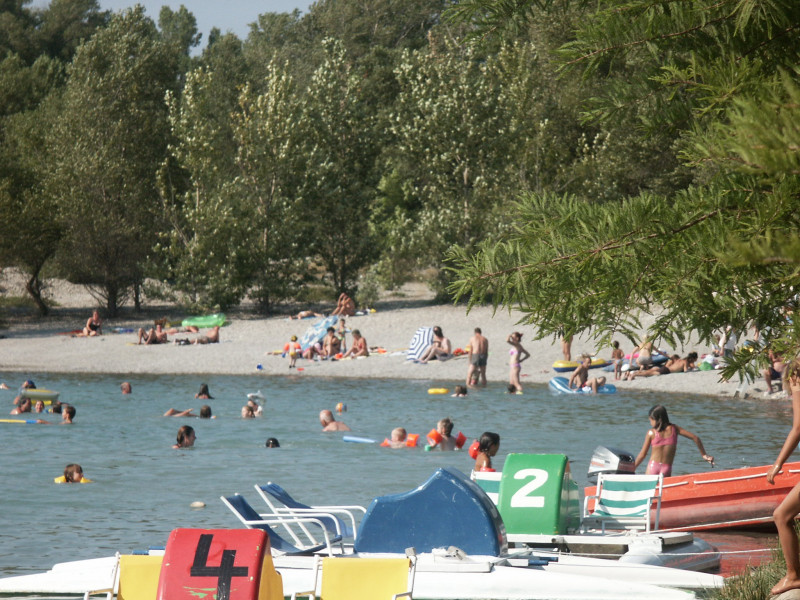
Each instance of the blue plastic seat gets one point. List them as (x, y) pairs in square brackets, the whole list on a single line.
[(326, 514), (253, 520)]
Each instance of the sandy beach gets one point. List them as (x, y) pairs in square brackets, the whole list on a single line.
[(32, 346)]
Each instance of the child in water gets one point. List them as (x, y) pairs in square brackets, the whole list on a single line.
[(186, 437), (73, 473), (663, 439), (488, 446)]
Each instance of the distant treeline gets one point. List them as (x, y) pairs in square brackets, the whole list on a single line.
[(344, 149)]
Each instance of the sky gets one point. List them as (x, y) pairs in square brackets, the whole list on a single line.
[(228, 15)]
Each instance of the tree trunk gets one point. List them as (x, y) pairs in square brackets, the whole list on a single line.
[(34, 288)]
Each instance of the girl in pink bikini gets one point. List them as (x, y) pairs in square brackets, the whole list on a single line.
[(516, 355), (663, 439)]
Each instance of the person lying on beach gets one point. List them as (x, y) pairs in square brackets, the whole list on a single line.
[(580, 377), (649, 372), (359, 347), (676, 364), (329, 423), (345, 306), (212, 337), (189, 329), (156, 335), (94, 326), (306, 314)]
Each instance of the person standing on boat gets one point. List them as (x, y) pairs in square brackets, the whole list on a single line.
[(787, 510), (663, 439)]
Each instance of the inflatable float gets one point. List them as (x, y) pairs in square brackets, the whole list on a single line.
[(562, 366), (204, 321), (561, 386), (39, 394)]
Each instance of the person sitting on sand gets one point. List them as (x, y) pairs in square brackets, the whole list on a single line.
[(580, 377), (440, 348), (94, 325), (313, 351), (359, 347), (156, 335), (345, 306), (329, 423), (212, 337), (331, 344)]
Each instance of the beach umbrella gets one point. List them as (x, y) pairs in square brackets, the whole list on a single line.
[(421, 341), (317, 331)]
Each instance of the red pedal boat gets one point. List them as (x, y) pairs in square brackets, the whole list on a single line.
[(730, 499)]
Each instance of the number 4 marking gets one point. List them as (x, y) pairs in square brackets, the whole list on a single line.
[(523, 497)]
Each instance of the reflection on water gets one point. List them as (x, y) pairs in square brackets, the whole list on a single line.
[(143, 488)]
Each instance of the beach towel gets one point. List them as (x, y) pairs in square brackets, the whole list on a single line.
[(420, 343), (317, 331)]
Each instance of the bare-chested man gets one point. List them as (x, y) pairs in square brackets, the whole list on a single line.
[(478, 354), (329, 423)]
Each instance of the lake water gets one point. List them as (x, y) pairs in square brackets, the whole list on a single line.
[(143, 488)]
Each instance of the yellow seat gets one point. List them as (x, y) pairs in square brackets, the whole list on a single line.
[(138, 576), (345, 578)]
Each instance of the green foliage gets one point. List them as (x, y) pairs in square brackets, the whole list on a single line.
[(337, 187), (719, 80), (105, 147)]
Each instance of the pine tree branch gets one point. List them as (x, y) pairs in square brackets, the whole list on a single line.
[(611, 245)]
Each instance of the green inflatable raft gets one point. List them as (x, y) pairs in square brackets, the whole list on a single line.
[(204, 321)]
